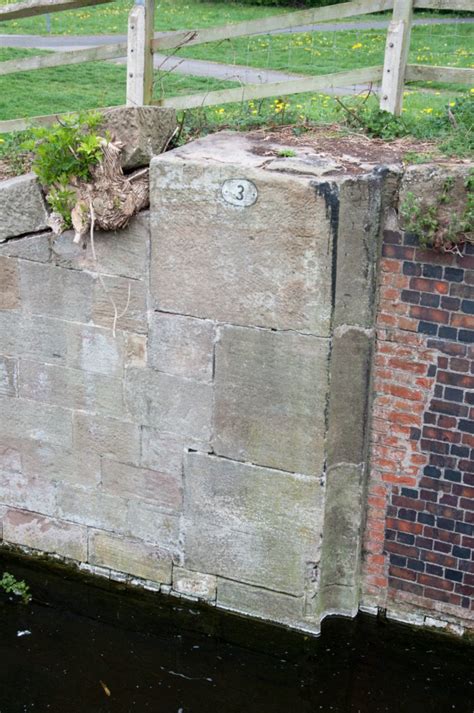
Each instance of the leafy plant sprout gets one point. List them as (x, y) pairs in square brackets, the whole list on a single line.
[(65, 153), (18, 587), (286, 153)]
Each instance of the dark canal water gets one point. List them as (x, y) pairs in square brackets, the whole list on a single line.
[(98, 647)]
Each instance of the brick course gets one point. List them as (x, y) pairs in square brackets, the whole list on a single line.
[(420, 524)]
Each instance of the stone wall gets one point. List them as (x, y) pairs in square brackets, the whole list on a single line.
[(207, 446), (216, 445)]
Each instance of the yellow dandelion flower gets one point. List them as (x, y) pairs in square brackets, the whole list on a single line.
[(357, 46)]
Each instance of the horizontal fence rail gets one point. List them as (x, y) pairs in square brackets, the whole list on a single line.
[(427, 73), (337, 80), (31, 8), (60, 59)]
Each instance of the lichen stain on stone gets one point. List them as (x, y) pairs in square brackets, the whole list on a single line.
[(330, 193)]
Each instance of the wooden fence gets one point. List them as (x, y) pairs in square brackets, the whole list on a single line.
[(142, 43)]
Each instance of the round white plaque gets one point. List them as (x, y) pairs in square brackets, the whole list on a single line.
[(239, 191)]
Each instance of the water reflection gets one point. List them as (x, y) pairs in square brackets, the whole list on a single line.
[(96, 648)]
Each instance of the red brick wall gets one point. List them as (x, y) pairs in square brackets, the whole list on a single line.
[(419, 541)]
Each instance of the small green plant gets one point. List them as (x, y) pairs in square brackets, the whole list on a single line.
[(11, 585), (65, 153), (442, 225), (373, 121), (381, 124), (286, 153), (62, 201)]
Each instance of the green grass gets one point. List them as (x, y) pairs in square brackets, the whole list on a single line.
[(111, 18)]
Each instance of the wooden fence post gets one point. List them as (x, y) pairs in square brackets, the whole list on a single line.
[(140, 53), (396, 57)]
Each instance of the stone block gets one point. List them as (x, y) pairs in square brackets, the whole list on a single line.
[(164, 451), (130, 298), (194, 584), (24, 335), (71, 388), (270, 400), (181, 346), (169, 403), (144, 131), (31, 247), (28, 419), (8, 376), (55, 341), (261, 603), (77, 467), (22, 207), (427, 183), (131, 556), (46, 534), (119, 440), (251, 524), (93, 508), (341, 544), (122, 252), (9, 284), (267, 264), (56, 292), (126, 481), (94, 349), (148, 522), (36, 493), (350, 371), (357, 250)]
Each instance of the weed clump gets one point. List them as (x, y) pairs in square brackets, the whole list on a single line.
[(456, 126), (18, 587), (64, 154), (436, 224)]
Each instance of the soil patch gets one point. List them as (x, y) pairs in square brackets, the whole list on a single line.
[(351, 149)]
